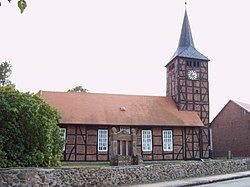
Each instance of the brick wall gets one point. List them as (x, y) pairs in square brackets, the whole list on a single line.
[(231, 131)]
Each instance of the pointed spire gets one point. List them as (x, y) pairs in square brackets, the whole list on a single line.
[(186, 46), (186, 38)]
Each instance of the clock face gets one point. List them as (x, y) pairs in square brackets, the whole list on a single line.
[(192, 75)]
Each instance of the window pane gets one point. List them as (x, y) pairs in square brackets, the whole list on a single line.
[(102, 140), (146, 140), (167, 140), (63, 136)]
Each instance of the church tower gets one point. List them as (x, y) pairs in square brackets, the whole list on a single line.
[(187, 76)]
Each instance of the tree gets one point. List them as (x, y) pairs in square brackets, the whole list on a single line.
[(5, 72), (78, 89), (3, 158), (29, 131), (21, 4)]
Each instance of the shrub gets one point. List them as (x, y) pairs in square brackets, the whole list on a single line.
[(29, 134)]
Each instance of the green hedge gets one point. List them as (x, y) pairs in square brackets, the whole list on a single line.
[(29, 132)]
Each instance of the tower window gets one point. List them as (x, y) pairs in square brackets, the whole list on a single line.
[(194, 64)]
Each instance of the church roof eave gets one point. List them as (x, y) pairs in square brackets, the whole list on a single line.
[(189, 52)]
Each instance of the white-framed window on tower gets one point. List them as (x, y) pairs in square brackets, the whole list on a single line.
[(102, 140), (167, 138), (146, 140)]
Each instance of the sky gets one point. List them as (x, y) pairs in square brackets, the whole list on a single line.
[(122, 46)]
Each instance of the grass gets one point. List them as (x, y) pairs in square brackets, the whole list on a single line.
[(85, 164), (106, 164), (96, 165)]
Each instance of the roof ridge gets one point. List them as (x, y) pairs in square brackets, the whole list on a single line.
[(232, 101), (92, 93), (242, 105)]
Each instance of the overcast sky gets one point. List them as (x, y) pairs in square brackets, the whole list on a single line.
[(122, 46)]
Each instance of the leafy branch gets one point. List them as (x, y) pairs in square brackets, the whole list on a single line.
[(5, 72), (21, 4), (78, 89)]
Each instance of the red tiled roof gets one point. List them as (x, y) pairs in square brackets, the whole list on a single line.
[(105, 109)]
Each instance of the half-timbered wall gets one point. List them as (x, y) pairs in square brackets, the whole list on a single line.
[(172, 80), (188, 143), (191, 95)]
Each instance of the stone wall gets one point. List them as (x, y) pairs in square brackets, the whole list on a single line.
[(113, 176)]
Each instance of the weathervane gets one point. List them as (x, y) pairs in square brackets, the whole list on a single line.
[(185, 4)]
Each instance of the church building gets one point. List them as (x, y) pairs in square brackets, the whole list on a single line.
[(171, 127)]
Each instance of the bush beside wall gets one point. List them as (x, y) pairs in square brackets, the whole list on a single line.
[(29, 134)]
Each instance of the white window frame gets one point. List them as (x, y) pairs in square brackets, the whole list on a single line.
[(146, 136), (63, 135), (167, 140), (127, 129), (102, 140)]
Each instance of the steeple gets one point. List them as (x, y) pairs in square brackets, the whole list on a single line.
[(186, 38), (186, 46), (187, 76)]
